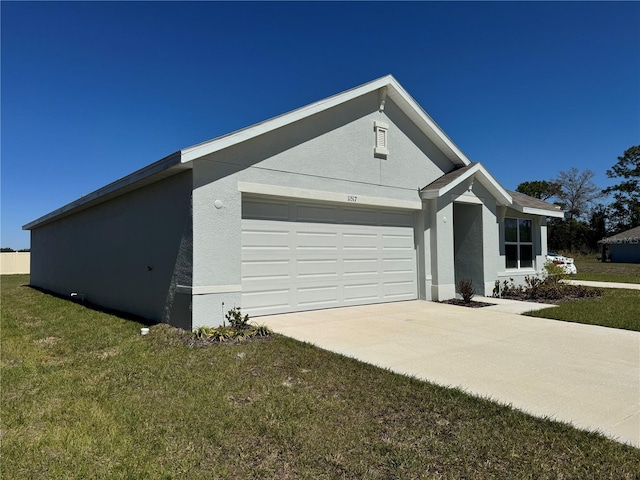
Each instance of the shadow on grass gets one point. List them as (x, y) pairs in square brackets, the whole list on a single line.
[(97, 308)]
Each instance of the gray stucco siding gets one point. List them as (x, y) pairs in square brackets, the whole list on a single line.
[(411, 153), (128, 253), (338, 144), (450, 257), (172, 250), (332, 151)]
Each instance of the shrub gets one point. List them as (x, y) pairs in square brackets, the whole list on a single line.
[(236, 320), (554, 273), (238, 330), (465, 289), (549, 287)]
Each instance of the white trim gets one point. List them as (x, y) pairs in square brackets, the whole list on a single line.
[(484, 177), (324, 196), (538, 211), (466, 198), (208, 289), (394, 91), (511, 272), (178, 161)]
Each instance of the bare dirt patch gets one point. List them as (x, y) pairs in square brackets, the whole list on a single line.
[(109, 352), (47, 342)]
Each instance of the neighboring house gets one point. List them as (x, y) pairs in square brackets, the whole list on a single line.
[(356, 199), (623, 247)]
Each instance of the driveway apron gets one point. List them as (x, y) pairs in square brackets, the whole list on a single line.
[(583, 374)]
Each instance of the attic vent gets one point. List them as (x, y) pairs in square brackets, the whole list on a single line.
[(382, 131)]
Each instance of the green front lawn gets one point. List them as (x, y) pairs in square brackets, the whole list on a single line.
[(84, 395), (589, 268), (617, 308)]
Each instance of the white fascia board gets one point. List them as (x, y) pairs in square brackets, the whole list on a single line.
[(484, 177), (211, 146), (326, 196), (113, 189), (416, 112), (493, 186), (429, 194), (538, 211), (394, 90)]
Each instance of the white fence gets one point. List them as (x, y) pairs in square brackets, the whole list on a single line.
[(14, 262)]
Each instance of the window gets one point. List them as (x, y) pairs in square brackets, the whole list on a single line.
[(518, 243), (381, 130)]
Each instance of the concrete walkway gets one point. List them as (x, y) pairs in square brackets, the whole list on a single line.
[(583, 374), (588, 283)]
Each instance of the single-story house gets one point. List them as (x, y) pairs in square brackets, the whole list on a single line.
[(359, 198), (623, 247)]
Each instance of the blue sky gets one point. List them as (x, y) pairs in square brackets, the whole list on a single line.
[(93, 91)]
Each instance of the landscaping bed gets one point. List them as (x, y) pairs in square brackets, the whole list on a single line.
[(471, 304)]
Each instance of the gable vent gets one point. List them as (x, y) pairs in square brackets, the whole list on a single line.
[(382, 138)]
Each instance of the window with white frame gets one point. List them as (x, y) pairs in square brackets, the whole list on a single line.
[(518, 243)]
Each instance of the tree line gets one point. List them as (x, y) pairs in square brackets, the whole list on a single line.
[(587, 218)]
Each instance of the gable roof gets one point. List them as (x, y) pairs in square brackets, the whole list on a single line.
[(632, 234), (387, 86), (447, 182), (518, 201)]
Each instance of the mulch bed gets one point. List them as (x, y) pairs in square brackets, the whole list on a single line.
[(471, 304)]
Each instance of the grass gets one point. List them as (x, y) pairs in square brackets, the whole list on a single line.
[(85, 395), (589, 268), (617, 308)]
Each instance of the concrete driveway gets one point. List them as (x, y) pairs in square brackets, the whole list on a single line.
[(582, 374)]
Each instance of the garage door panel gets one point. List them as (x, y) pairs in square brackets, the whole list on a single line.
[(399, 290), (360, 216), (394, 219), (321, 295), (316, 240), (360, 266), (324, 257), (360, 241), (266, 210), (266, 269), (315, 213), (361, 291), (397, 241), (309, 269), (398, 265), (264, 239), (261, 299)]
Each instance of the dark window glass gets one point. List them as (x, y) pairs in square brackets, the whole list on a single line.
[(525, 230), (510, 230), (511, 256), (526, 256)]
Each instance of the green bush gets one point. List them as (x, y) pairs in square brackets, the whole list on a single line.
[(236, 320), (238, 330), (551, 286)]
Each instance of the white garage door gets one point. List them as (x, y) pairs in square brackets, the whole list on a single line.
[(299, 256)]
